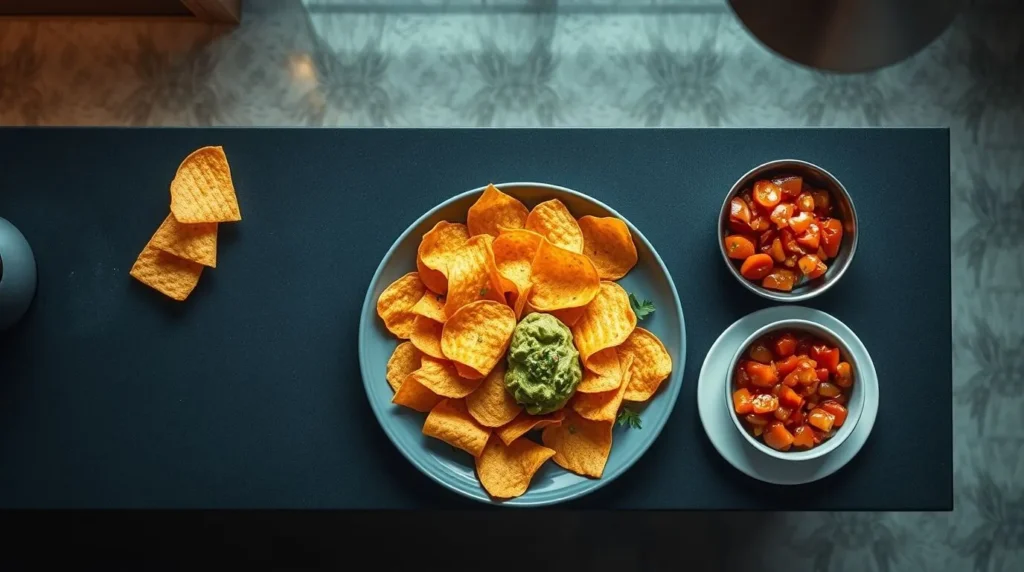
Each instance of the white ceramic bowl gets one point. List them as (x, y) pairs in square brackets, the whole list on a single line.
[(855, 405)]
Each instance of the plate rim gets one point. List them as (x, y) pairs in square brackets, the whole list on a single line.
[(369, 308), (849, 448)]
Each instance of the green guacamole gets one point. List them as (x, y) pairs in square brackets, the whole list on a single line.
[(543, 365)]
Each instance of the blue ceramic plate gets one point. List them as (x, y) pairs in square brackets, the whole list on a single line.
[(454, 469)]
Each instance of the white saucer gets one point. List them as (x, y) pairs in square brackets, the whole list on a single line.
[(734, 448)]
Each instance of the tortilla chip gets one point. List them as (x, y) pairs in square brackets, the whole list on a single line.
[(513, 254), (651, 364), (494, 210), (440, 377), (524, 423), (554, 222), (195, 242), (413, 395), (478, 334), (603, 374), (602, 406), (606, 322), (171, 276), (491, 405), (438, 246), (450, 422), (505, 471), (568, 316), (520, 302), (396, 301), (472, 276), (562, 279), (403, 361), (609, 245), (581, 445), (431, 306), (466, 371), (202, 190), (426, 336)]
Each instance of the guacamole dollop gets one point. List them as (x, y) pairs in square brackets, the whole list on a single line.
[(543, 365)]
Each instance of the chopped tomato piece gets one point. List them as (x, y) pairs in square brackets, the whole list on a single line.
[(826, 389), (821, 254), (782, 413), (739, 227), (807, 263), (819, 418), (780, 279), (738, 247), (789, 243), (767, 194), (776, 251), (782, 213), (810, 238), (807, 362), (757, 266), (838, 412), (791, 186), (760, 223), (789, 398), (822, 374), (804, 374), (739, 210), (800, 222), (761, 375), (797, 418), (822, 202), (759, 352), (805, 202), (826, 357), (803, 437), (844, 375), (740, 378), (756, 419), (831, 236), (819, 271), (787, 365), (811, 266), (812, 396), (818, 436), (742, 401), (785, 345), (777, 436), (765, 403)]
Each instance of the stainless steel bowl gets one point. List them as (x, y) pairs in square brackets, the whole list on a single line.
[(854, 406), (816, 177)]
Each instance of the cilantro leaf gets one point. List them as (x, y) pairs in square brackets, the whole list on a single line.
[(629, 418), (641, 309)]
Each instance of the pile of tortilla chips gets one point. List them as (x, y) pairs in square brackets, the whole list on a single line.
[(473, 283), (202, 196)]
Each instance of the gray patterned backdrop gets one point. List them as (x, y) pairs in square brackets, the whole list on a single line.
[(620, 63)]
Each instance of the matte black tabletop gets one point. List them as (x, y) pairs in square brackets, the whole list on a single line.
[(249, 393)]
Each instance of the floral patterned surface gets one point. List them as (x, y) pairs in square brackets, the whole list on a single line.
[(621, 63)]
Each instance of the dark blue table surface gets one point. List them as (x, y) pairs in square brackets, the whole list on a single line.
[(249, 393)]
